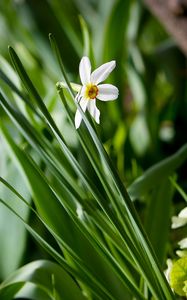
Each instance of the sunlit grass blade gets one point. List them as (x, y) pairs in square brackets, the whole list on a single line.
[(31, 89), (13, 87)]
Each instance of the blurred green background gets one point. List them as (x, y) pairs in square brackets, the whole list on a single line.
[(148, 121)]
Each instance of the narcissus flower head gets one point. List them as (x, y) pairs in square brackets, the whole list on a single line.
[(92, 89)]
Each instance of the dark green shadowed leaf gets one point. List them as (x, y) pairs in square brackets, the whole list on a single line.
[(115, 30), (158, 218), (8, 292), (157, 173)]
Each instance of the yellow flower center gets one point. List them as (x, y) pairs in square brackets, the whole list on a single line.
[(91, 91)]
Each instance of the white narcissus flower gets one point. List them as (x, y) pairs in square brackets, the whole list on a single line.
[(92, 89)]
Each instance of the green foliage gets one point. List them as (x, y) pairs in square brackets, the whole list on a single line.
[(48, 280), (61, 184), (57, 207)]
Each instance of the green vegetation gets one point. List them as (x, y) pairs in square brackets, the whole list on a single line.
[(86, 213)]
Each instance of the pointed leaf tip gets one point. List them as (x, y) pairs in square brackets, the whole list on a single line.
[(10, 49)]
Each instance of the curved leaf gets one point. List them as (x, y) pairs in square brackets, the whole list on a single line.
[(46, 275)]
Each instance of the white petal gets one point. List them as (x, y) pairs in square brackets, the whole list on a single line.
[(181, 253), (78, 116), (101, 73), (94, 111), (183, 213), (183, 243), (85, 70), (178, 222), (107, 92), (168, 270)]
